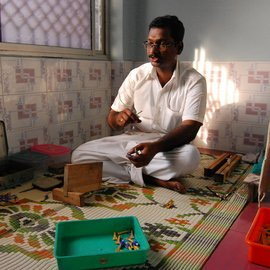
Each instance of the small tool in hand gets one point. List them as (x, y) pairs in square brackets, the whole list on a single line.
[(135, 153)]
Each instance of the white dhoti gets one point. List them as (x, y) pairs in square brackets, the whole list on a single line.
[(118, 168)]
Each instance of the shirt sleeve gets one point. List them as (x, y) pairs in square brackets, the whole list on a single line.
[(124, 98), (195, 104)]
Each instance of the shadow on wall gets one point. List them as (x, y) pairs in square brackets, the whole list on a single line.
[(237, 105), (237, 102)]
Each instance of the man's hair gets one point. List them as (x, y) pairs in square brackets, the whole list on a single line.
[(175, 26)]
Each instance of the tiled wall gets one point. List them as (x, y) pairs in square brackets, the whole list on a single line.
[(63, 102), (238, 106), (66, 102)]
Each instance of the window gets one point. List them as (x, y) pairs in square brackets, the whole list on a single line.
[(56, 28)]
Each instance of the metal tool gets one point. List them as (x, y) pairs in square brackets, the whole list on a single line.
[(220, 195), (28, 189), (46, 197)]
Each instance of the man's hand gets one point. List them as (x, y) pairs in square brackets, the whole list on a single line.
[(127, 117), (118, 120), (142, 154)]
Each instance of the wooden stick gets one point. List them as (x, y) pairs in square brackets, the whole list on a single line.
[(214, 166), (227, 168), (226, 164)]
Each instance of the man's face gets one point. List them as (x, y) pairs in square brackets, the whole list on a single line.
[(161, 49)]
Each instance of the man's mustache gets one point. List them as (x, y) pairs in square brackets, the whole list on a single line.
[(152, 55)]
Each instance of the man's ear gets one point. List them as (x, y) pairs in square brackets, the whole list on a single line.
[(180, 46)]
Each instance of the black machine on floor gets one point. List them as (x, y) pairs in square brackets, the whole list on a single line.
[(12, 173)]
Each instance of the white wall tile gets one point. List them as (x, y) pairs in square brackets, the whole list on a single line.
[(62, 134), (21, 139), (97, 75), (64, 107), (95, 103), (26, 111), (23, 75), (61, 75)]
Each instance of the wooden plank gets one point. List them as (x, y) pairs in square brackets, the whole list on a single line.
[(214, 166), (79, 179), (84, 177)]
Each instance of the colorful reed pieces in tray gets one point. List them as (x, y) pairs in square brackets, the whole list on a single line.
[(127, 242)]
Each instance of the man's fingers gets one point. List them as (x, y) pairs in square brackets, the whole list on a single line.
[(135, 118), (130, 116)]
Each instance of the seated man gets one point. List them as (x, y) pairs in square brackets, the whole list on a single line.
[(164, 101)]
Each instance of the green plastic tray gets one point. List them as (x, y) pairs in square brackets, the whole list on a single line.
[(89, 244)]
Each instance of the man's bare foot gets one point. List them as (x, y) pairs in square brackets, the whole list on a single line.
[(172, 184)]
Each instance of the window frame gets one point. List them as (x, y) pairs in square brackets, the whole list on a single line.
[(28, 50)]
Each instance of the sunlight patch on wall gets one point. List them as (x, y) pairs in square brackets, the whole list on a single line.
[(221, 91)]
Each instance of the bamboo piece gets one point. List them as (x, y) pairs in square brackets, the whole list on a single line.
[(214, 166), (227, 168)]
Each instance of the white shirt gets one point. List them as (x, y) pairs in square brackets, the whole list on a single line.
[(163, 108)]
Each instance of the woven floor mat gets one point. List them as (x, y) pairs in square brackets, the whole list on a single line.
[(182, 237)]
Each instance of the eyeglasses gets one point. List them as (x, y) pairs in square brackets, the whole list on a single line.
[(161, 46)]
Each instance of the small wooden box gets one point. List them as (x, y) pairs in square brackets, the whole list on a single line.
[(79, 179)]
